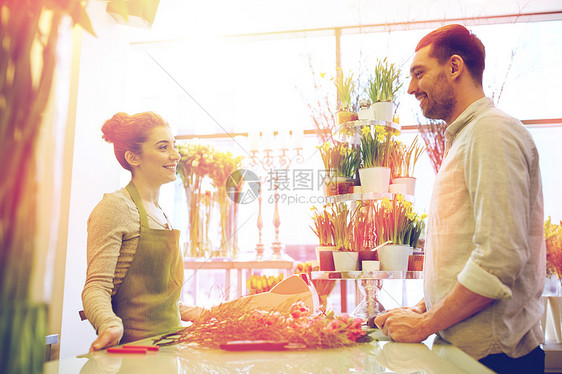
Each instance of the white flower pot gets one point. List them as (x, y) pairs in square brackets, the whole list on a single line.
[(365, 114), (397, 188), (551, 319), (374, 179), (383, 110), (370, 265), (394, 257), (345, 261), (409, 182)]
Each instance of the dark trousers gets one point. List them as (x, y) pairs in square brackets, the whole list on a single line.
[(532, 363)]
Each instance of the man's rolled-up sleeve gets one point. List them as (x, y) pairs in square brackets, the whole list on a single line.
[(482, 282)]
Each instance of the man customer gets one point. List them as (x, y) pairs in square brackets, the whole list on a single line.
[(484, 266)]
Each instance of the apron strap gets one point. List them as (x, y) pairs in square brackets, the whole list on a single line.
[(132, 189)]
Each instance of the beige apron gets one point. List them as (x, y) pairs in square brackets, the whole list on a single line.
[(147, 300)]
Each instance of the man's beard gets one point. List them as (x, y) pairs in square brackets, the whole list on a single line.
[(442, 102)]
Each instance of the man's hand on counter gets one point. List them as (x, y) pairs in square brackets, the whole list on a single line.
[(404, 325), (107, 338), (413, 325)]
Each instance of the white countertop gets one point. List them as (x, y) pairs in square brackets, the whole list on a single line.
[(376, 357)]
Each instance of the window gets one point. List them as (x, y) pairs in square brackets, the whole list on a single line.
[(244, 85)]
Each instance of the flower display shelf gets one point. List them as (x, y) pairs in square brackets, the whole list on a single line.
[(366, 275), (364, 197), (350, 132), (371, 283)]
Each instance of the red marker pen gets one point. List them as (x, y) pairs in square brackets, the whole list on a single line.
[(126, 350), (147, 347)]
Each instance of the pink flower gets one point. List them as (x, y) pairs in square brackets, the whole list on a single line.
[(354, 329), (357, 322), (334, 325), (299, 309)]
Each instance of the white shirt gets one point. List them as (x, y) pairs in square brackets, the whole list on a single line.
[(485, 230)]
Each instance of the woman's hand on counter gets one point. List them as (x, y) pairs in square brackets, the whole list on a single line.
[(192, 313), (404, 325), (107, 338)]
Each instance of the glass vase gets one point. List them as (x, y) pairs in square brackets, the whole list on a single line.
[(228, 210), (207, 205), (196, 224)]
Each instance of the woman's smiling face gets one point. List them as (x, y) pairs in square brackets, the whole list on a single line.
[(430, 85), (159, 157)]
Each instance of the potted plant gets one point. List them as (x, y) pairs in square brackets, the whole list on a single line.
[(342, 220), (374, 173), (341, 162), (323, 228), (382, 89), (553, 242), (418, 226), (403, 162), (395, 221), (345, 88), (363, 233)]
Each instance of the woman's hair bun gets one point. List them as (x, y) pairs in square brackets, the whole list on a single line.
[(111, 127)]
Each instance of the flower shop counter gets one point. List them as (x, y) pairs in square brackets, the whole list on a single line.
[(432, 356)]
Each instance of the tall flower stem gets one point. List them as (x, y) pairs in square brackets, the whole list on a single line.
[(27, 65)]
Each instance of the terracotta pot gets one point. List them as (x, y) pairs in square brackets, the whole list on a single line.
[(346, 116), (338, 186), (366, 256), (325, 258), (415, 263)]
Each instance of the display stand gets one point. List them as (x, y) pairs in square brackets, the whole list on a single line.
[(371, 284), (370, 281), (350, 132)]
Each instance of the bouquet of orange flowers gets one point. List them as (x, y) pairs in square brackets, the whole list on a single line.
[(298, 326)]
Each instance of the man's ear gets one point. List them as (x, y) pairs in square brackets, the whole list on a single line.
[(132, 158), (456, 65)]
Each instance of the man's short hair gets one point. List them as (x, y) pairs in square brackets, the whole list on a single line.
[(456, 40)]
